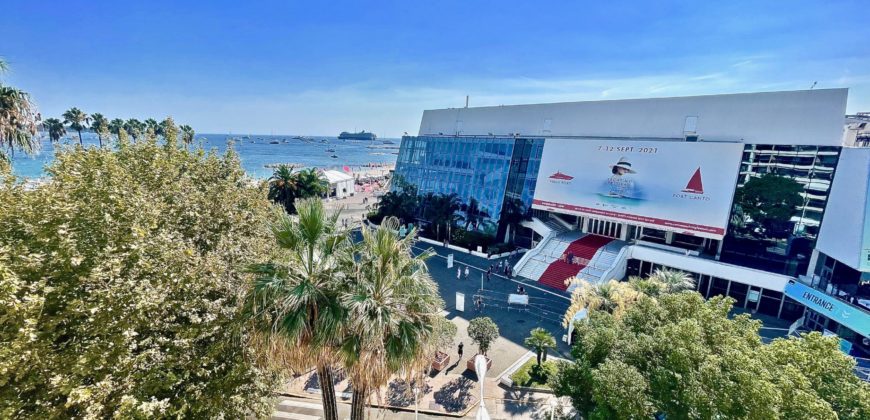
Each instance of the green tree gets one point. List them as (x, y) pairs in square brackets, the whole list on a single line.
[(613, 297), (482, 332), (117, 127), (55, 129), (393, 310), (540, 340), (770, 201), (295, 302), (122, 298), (135, 128), (187, 135), (100, 126), (311, 183), (472, 212), (76, 120), (684, 357), (401, 202), (18, 120), (440, 210), (512, 215), (153, 125), (283, 188), (169, 131)]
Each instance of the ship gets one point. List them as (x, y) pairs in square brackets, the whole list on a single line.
[(362, 135)]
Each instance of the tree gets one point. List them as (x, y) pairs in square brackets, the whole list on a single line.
[(393, 308), (55, 129), (540, 340), (100, 126), (135, 128), (440, 210), (512, 214), (482, 332), (612, 297), (311, 183), (153, 125), (169, 131), (18, 120), (770, 201), (294, 302), (401, 202), (472, 212), (684, 357), (187, 135), (283, 188), (76, 120), (121, 287)]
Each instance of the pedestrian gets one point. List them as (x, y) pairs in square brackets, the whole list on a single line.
[(466, 272), (488, 274), (477, 303), (459, 350), (458, 273)]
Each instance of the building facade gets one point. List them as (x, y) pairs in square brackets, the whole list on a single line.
[(752, 194)]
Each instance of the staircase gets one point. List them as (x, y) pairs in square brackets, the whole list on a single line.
[(585, 248)]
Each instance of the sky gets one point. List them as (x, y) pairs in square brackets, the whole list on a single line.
[(318, 68)]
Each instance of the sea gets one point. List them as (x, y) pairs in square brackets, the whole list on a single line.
[(256, 152)]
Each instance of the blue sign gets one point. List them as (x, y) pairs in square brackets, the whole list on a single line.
[(829, 306)]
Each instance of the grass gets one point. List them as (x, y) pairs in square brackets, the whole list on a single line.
[(530, 375)]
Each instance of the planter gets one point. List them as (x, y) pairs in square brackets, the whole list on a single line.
[(442, 360), (470, 364)]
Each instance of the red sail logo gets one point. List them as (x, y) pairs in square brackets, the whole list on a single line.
[(695, 186), (561, 177)]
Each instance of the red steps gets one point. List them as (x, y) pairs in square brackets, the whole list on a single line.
[(558, 271)]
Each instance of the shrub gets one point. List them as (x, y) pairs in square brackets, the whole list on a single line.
[(483, 332)]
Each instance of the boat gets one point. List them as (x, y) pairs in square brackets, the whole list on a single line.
[(388, 142), (330, 150), (324, 141), (334, 156), (362, 135), (274, 142)]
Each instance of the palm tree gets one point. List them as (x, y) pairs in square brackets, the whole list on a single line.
[(540, 340), (77, 120), (613, 297), (55, 129), (18, 119), (294, 304), (169, 131), (134, 127), (283, 188), (187, 135), (472, 212), (311, 183), (153, 125), (440, 209), (392, 312), (100, 125), (512, 214), (674, 281)]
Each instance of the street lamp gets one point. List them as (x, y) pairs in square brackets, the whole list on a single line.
[(416, 399), (554, 404)]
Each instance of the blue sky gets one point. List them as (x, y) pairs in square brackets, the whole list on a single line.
[(324, 67)]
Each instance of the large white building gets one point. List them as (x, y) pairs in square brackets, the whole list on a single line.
[(619, 188)]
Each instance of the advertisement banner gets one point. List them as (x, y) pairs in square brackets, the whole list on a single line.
[(684, 187)]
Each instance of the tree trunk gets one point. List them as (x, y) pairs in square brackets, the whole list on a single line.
[(327, 392), (81, 143), (358, 405), (100, 136), (545, 355), (539, 357)]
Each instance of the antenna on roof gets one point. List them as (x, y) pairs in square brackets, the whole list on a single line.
[(814, 85), (466, 101)]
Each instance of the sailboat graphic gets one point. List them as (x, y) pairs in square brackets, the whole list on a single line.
[(695, 186)]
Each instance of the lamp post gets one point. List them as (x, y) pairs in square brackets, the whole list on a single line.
[(416, 400), (554, 404)]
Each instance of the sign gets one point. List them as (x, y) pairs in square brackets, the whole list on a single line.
[(683, 187), (460, 302), (830, 307), (753, 295), (449, 260)]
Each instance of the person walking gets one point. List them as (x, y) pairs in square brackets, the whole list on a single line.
[(459, 350), (466, 272), (458, 273)]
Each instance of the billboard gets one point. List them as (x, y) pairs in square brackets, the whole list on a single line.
[(684, 187)]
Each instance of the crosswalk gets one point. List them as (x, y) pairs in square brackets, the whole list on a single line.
[(297, 410)]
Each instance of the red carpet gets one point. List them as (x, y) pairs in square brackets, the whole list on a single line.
[(558, 271)]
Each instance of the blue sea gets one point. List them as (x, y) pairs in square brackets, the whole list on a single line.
[(255, 151)]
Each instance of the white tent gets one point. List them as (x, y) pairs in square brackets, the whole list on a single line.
[(340, 183)]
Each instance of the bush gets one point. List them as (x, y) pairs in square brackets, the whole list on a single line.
[(471, 239), (530, 375), (483, 332)]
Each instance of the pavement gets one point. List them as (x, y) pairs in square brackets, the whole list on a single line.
[(455, 391)]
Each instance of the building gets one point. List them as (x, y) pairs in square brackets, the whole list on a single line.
[(740, 190), (341, 185)]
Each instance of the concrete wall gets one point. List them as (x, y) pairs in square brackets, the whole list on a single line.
[(805, 117), (843, 225)]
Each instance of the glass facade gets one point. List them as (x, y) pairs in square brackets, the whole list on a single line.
[(812, 167), (487, 169)]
